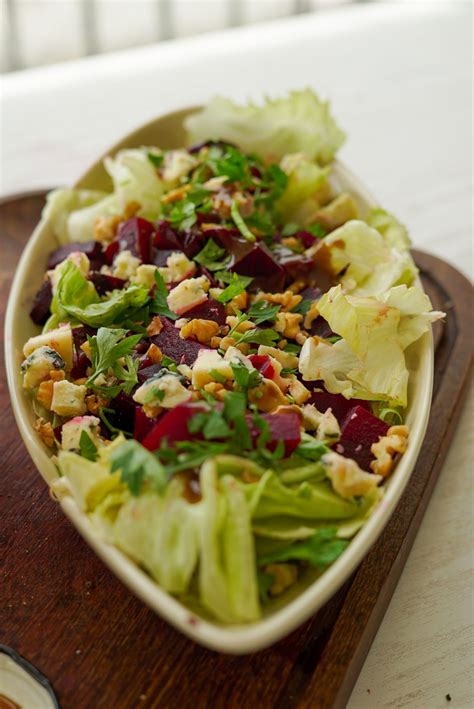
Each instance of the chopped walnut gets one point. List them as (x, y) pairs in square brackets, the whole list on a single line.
[(242, 327), (301, 337), (86, 348), (238, 303), (311, 315), (216, 342), (288, 300), (150, 411), (267, 396), (105, 228), (291, 242), (298, 391), (387, 447), (288, 324), (284, 576), (154, 353), (176, 194), (155, 327), (95, 403), (80, 381), (297, 285), (46, 431), (347, 479), (45, 393), (201, 330), (56, 375)]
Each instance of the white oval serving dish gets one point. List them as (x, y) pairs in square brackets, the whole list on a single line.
[(310, 595)]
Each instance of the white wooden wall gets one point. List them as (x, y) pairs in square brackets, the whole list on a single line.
[(35, 32)]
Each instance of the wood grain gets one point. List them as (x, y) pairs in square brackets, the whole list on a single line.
[(100, 647)]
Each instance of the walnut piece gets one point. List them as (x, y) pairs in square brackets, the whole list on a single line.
[(155, 327), (347, 479), (201, 330), (387, 447), (46, 431), (288, 324), (267, 396), (45, 393), (154, 353), (288, 300), (311, 315), (239, 302), (284, 576)]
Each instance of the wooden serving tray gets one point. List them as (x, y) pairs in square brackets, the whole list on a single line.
[(101, 647)]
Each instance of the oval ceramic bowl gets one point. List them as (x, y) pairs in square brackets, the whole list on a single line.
[(312, 591)]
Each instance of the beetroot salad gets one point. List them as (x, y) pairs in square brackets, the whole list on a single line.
[(221, 373)]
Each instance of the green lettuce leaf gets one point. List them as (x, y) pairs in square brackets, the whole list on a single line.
[(369, 264), (301, 122), (227, 576), (161, 533), (312, 500), (135, 179), (89, 481), (394, 233), (320, 550), (78, 298), (369, 362), (299, 202), (63, 204)]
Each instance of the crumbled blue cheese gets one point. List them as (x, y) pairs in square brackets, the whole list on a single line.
[(145, 275), (38, 364), (207, 364), (68, 399), (164, 390), (125, 265), (72, 430), (188, 294), (325, 424), (59, 339)]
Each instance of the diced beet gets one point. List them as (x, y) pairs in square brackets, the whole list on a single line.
[(209, 310), (295, 265), (264, 365), (307, 238), (148, 372), (171, 344), (192, 241), (40, 310), (173, 426), (124, 412), (104, 283), (80, 363), (79, 334), (93, 249), (142, 346), (143, 424), (310, 293), (282, 427), (359, 430), (136, 235), (160, 256), (340, 406), (252, 259), (166, 237), (321, 328), (111, 252), (203, 271)]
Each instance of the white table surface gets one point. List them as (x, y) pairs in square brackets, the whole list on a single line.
[(400, 79)]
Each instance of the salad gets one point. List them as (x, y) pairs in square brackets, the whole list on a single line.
[(221, 374)]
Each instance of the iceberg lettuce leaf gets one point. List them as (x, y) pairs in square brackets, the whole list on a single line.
[(62, 203), (394, 233), (299, 201), (135, 179), (301, 122)]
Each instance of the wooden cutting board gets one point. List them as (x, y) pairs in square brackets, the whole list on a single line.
[(101, 647)]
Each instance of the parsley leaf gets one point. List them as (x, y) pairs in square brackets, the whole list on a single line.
[(235, 406), (316, 230), (87, 447), (156, 159), (289, 229), (257, 337), (303, 306), (239, 222), (262, 310), (138, 467), (158, 303), (233, 164), (237, 284), (106, 348), (244, 377), (128, 374), (211, 424), (211, 256)]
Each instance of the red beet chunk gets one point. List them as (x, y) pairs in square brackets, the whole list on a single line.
[(136, 235), (310, 293), (307, 238), (166, 237), (340, 406), (80, 361), (173, 426), (160, 256), (148, 372), (93, 249), (171, 344), (104, 283), (111, 252), (40, 310), (124, 412), (283, 427), (264, 365), (209, 310), (295, 265), (253, 259), (143, 425), (321, 328), (359, 430)]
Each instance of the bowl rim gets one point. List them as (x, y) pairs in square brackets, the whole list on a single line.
[(232, 639)]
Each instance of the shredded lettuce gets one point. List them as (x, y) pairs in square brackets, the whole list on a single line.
[(135, 179), (63, 204), (299, 123), (394, 233), (369, 264), (227, 575), (306, 180), (369, 362)]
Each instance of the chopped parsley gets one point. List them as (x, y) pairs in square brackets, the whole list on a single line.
[(212, 256), (239, 222), (158, 304)]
